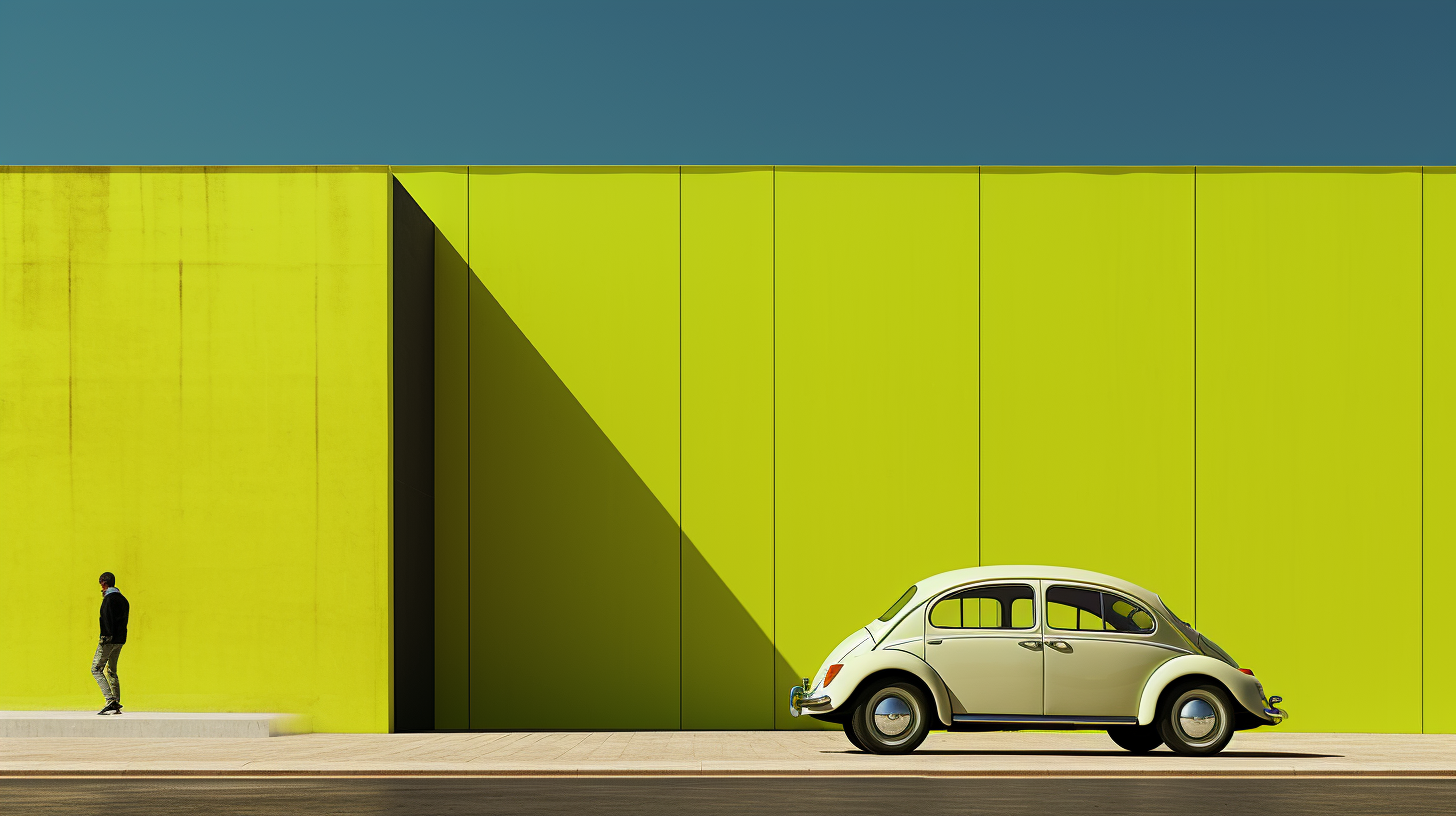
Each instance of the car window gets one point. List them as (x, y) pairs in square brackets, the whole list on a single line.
[(1122, 615), (1008, 606), (1087, 610), (1073, 608), (898, 605)]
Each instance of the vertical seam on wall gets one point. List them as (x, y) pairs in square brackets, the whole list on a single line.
[(1195, 395), (469, 270), (70, 371), (774, 409), (317, 478), (980, 365), (1423, 450), (681, 521)]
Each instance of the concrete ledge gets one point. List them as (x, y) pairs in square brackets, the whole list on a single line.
[(148, 725)]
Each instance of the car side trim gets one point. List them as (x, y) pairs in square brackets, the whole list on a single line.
[(1043, 719), (1154, 644)]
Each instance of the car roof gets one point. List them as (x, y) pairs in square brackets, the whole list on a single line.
[(954, 578)]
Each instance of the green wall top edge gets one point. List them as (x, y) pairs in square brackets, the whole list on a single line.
[(197, 168), (726, 168)]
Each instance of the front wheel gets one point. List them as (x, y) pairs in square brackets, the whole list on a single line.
[(854, 740), (1138, 739), (1196, 719), (891, 719)]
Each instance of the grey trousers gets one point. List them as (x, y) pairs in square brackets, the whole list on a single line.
[(103, 668)]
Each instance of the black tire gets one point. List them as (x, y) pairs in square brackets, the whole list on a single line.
[(1138, 739), (1196, 719), (854, 740), (903, 721)]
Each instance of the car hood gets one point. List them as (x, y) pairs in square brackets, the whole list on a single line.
[(859, 641)]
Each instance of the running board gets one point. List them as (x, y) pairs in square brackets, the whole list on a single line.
[(1040, 719)]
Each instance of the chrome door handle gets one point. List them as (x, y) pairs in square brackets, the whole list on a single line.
[(935, 642), (1060, 645), (1034, 645)]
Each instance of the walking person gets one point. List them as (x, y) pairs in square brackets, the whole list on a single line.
[(114, 612)]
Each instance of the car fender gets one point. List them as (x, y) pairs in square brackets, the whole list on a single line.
[(1243, 687), (861, 666)]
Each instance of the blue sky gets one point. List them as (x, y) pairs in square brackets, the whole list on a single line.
[(741, 82)]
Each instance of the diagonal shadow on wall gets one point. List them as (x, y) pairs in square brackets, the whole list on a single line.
[(590, 609)]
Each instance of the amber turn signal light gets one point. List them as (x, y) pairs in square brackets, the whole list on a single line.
[(831, 674), (1245, 671)]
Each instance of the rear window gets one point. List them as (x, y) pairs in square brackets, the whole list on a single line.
[(1088, 610), (898, 605)]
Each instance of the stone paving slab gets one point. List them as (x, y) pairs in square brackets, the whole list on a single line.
[(722, 753)]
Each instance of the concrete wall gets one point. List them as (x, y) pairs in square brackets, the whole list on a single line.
[(693, 425), (194, 395), (720, 417)]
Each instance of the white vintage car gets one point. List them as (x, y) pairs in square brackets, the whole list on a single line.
[(1023, 647)]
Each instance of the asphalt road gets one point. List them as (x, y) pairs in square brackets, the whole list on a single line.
[(703, 796)]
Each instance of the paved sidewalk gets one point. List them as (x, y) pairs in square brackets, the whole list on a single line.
[(712, 753)]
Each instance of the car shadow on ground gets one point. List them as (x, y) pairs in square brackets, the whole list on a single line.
[(1112, 753)]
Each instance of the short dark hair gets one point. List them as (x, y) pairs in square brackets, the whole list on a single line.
[(108, 579)]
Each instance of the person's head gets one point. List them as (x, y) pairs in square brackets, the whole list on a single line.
[(107, 581)]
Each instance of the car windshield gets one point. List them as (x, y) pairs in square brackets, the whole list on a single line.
[(898, 605)]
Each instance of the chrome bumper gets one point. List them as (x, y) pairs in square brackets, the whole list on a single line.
[(1273, 713), (798, 702)]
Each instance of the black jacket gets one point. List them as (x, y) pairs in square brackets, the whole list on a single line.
[(114, 612)]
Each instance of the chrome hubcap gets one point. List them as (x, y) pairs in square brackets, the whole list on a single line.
[(1197, 718), (893, 715)]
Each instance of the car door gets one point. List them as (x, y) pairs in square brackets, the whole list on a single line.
[(1101, 647), (984, 642)]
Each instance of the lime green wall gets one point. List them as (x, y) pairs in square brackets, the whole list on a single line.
[(826, 383), (194, 394), (575, 447), (696, 424), (727, 269), (1439, 475), (1087, 372), (875, 407), (1309, 436)]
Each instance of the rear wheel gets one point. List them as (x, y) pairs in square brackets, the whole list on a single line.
[(1196, 719), (1139, 739), (892, 718)]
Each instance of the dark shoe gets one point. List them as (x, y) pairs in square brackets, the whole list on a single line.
[(111, 708)]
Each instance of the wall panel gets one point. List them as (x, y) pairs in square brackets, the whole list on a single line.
[(247, 413), (575, 558), (875, 327), (727, 427), (1439, 438), (1308, 457), (354, 383), (442, 192), (201, 363), (37, 501), (1087, 373)]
